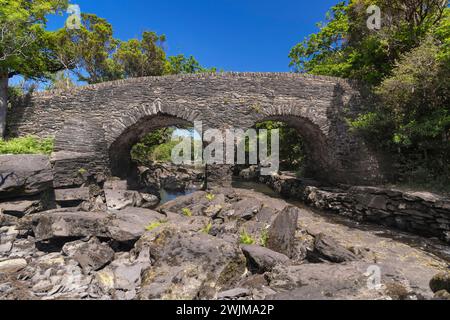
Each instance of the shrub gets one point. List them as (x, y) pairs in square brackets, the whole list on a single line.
[(246, 238), (27, 145), (155, 225), (264, 237), (207, 228), (187, 212), (210, 197)]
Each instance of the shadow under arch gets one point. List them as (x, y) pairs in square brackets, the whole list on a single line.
[(320, 164), (121, 164)]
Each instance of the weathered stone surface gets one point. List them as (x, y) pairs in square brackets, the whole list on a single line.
[(176, 259), (11, 266), (68, 224), (91, 255), (188, 265), (440, 282), (124, 226), (115, 184), (7, 220), (247, 208), (420, 213), (261, 259), (250, 173), (327, 248), (21, 207), (233, 294), (130, 224), (120, 199), (442, 295), (22, 175), (324, 282), (71, 195), (282, 231), (149, 200)]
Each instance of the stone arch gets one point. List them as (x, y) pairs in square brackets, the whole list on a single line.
[(120, 112), (321, 164), (134, 125)]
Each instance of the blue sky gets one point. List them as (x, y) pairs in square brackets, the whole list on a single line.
[(232, 35)]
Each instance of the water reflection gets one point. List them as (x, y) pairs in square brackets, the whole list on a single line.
[(169, 195)]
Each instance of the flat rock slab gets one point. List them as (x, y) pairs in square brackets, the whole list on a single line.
[(320, 282), (124, 226), (74, 194), (120, 199), (21, 208), (91, 255), (262, 259), (24, 175), (327, 248), (233, 294), (11, 266)]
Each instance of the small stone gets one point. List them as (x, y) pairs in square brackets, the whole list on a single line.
[(327, 248), (440, 282), (6, 247), (105, 279), (70, 195), (92, 255), (11, 266), (262, 260), (442, 295), (233, 294), (43, 286)]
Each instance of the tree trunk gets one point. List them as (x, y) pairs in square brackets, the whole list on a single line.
[(3, 103)]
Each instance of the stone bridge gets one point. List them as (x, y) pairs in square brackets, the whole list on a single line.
[(95, 126)]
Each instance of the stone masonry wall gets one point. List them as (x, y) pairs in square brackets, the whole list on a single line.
[(126, 110), (420, 213)]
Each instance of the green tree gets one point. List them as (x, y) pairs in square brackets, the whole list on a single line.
[(344, 46), (25, 46), (181, 65), (145, 57), (292, 150), (91, 47), (406, 63)]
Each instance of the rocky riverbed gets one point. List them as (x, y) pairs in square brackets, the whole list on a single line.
[(227, 243)]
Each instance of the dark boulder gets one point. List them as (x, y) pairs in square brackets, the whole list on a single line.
[(327, 248), (440, 282), (188, 265), (281, 235), (261, 259), (24, 175), (91, 255)]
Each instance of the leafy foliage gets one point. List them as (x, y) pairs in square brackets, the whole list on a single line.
[(26, 145), (187, 212), (210, 197), (246, 238), (154, 225), (264, 237), (139, 58), (292, 151), (181, 65), (407, 64), (26, 48), (207, 229)]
